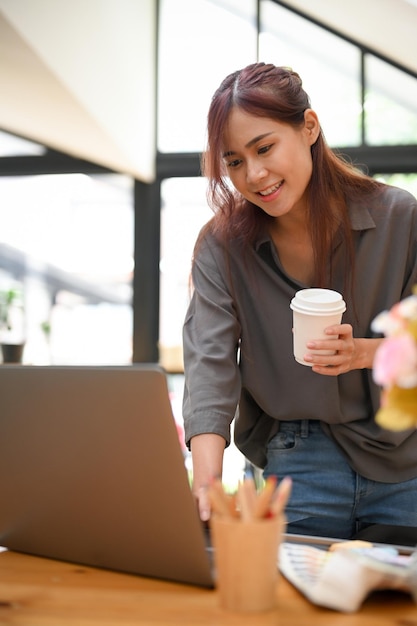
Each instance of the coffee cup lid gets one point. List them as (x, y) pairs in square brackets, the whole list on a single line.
[(318, 301)]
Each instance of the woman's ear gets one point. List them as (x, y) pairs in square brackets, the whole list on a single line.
[(311, 125)]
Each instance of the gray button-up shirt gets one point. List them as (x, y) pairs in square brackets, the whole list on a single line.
[(238, 349)]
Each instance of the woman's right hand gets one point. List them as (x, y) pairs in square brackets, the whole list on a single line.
[(203, 503), (207, 456)]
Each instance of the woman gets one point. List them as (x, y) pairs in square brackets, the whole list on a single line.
[(290, 214)]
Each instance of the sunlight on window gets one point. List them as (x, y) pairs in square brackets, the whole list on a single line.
[(405, 181), (390, 105), (184, 212), (68, 240), (10, 145), (199, 44), (329, 68)]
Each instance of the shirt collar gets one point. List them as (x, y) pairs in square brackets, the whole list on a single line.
[(359, 215)]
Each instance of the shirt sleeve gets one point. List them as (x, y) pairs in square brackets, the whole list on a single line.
[(211, 339)]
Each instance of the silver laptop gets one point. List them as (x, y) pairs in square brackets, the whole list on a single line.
[(92, 471)]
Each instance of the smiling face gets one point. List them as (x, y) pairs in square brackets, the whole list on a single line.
[(269, 162)]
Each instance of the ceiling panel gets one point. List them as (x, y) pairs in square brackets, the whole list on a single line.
[(80, 77)]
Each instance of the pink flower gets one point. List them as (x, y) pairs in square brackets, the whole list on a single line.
[(396, 362), (396, 320)]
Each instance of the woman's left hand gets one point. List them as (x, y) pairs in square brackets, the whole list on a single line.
[(351, 353)]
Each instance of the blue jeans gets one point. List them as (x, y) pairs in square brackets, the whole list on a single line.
[(329, 498)]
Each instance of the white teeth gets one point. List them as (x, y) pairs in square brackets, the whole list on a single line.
[(266, 192)]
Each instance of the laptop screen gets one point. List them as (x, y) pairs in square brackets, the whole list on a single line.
[(92, 471)]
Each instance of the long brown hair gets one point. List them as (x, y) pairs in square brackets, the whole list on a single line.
[(277, 93)]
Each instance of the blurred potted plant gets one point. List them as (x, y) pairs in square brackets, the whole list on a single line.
[(11, 325)]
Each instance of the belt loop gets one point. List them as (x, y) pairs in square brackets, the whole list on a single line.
[(304, 429)]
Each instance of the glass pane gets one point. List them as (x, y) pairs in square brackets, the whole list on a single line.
[(329, 68), (405, 181), (200, 42), (67, 246), (10, 145), (184, 211), (390, 104)]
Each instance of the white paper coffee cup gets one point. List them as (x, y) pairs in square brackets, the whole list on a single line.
[(314, 310)]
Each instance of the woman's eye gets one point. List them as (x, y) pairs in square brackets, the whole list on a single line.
[(234, 163), (264, 149)]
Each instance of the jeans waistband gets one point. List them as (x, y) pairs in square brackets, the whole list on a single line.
[(299, 427)]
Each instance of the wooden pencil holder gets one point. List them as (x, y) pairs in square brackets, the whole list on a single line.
[(246, 561)]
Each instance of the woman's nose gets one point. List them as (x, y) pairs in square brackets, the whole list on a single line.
[(255, 172)]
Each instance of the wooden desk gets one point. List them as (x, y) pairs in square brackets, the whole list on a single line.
[(42, 592)]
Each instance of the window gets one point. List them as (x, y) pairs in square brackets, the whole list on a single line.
[(405, 181), (10, 145), (328, 65), (390, 104), (67, 245), (200, 42), (184, 211)]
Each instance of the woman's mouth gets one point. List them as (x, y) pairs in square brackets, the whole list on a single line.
[(269, 191)]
